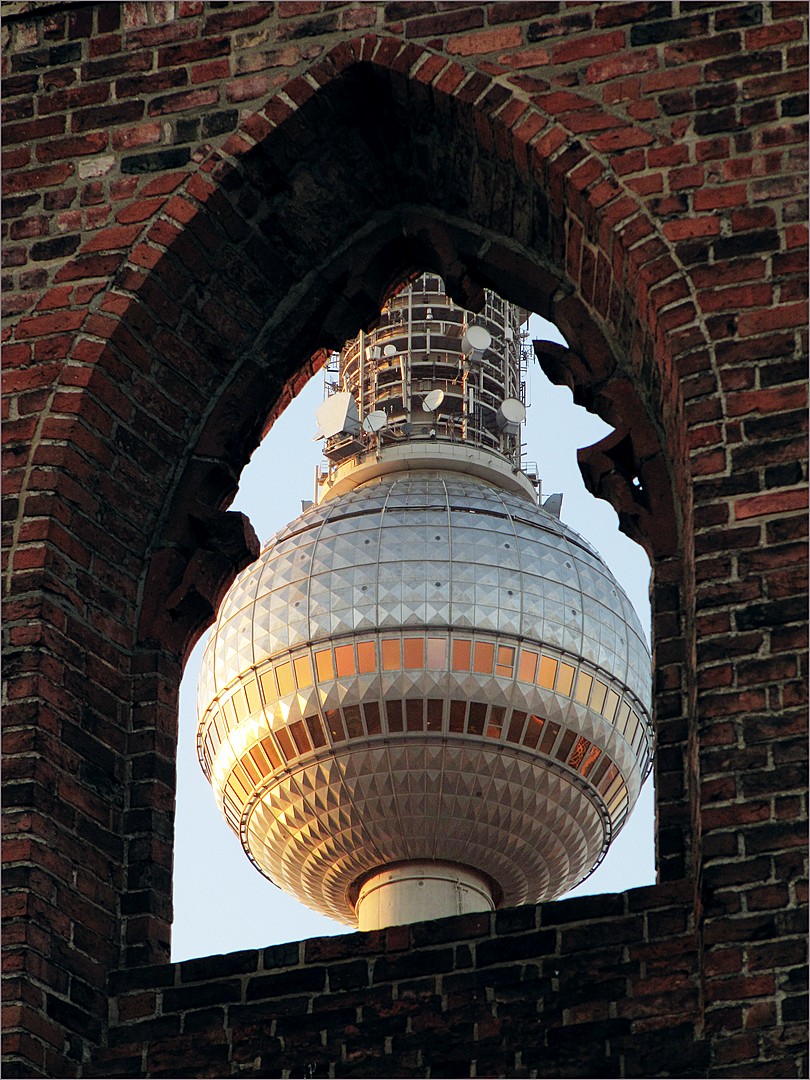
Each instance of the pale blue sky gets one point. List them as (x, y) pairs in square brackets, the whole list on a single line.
[(221, 902)]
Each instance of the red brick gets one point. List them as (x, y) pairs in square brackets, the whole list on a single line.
[(742, 988), (526, 58), (248, 15), (357, 17), (137, 1006), (105, 45), (105, 116), (745, 296), (776, 318), (688, 228), (16, 159), (580, 48), (248, 89), (142, 135), (41, 325), (210, 71), (30, 130), (451, 22), (486, 41), (31, 179), (139, 211), (720, 198), (89, 266), (616, 66), (163, 184), (759, 37), (623, 138), (192, 51), (119, 236), (288, 9), (180, 209), (115, 65), (690, 177), (565, 102), (75, 147), (452, 77), (139, 86), (59, 297), (183, 102), (753, 217), (773, 503)]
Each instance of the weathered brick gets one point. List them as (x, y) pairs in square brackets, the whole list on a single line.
[(71, 148), (29, 130), (156, 161), (192, 51), (182, 102), (451, 22), (587, 46), (485, 41)]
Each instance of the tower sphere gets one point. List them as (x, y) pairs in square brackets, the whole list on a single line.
[(428, 694)]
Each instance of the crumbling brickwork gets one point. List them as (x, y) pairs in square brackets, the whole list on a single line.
[(200, 198)]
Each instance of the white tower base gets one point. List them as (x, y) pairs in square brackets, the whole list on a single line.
[(417, 891)]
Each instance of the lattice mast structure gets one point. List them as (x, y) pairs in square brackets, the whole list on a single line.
[(428, 695)]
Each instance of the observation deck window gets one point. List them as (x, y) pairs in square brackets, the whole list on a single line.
[(371, 713), (414, 650), (483, 657), (344, 660), (324, 666), (366, 657), (584, 683), (303, 671), (462, 654), (534, 729), (565, 679)]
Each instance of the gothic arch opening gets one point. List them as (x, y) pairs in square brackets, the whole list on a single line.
[(243, 270), (622, 467), (243, 910)]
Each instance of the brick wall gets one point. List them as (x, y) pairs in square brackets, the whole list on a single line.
[(575, 988), (199, 199)]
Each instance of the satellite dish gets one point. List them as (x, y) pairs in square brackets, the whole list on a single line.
[(511, 414), (375, 421), (476, 341), (390, 350), (433, 400)]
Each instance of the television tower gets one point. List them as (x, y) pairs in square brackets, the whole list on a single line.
[(428, 695)]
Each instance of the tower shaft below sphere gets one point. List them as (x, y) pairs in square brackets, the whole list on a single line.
[(420, 890)]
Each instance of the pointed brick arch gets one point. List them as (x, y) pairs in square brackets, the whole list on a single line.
[(226, 278)]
